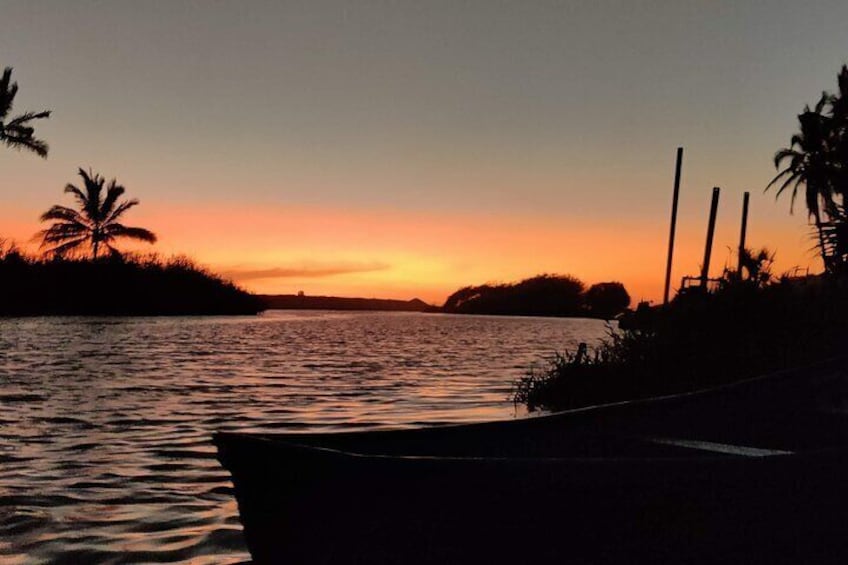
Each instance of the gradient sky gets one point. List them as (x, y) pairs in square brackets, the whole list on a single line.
[(402, 149)]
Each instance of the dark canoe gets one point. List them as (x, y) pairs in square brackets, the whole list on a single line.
[(753, 472)]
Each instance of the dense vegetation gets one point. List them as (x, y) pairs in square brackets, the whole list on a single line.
[(750, 323), (543, 295), (817, 162), (115, 285), (700, 339)]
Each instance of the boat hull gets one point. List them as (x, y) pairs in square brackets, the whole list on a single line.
[(486, 493)]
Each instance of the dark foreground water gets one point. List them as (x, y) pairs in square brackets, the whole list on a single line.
[(105, 424)]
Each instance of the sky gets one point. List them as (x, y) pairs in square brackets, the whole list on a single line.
[(406, 149)]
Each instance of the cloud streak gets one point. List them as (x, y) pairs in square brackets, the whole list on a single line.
[(305, 271)]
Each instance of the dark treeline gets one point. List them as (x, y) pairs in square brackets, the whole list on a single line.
[(303, 302), (115, 286), (543, 295)]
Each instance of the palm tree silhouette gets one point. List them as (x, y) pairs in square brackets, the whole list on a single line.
[(16, 132), (810, 163), (95, 224), (839, 111), (835, 234)]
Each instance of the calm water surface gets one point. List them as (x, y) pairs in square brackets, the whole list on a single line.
[(105, 424)]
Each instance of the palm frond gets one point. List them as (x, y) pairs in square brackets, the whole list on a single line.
[(16, 133), (63, 213), (113, 192), (119, 230), (62, 232), (777, 177), (93, 184), (823, 101), (60, 250), (812, 198), (80, 196), (20, 137), (8, 90), (28, 117), (120, 210), (782, 155), (794, 178)]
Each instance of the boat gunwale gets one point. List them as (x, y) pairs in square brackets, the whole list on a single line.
[(822, 370), (282, 445)]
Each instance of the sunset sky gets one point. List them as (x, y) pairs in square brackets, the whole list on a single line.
[(405, 149)]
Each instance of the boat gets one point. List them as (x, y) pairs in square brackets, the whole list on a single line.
[(754, 472)]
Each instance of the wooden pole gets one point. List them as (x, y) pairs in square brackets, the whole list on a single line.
[(745, 198), (674, 200), (705, 270)]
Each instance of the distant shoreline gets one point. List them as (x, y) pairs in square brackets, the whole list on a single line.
[(303, 302), (340, 303)]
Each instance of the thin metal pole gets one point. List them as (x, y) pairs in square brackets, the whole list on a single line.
[(745, 198), (674, 200), (705, 270)]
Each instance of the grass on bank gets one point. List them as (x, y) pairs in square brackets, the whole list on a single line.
[(116, 286), (741, 330)]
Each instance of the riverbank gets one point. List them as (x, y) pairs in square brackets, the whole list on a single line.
[(700, 339), (116, 286)]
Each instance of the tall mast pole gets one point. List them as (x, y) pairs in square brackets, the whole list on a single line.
[(674, 200), (705, 269), (745, 198)]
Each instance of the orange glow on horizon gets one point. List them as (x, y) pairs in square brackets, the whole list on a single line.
[(390, 254)]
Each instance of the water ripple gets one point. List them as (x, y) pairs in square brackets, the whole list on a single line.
[(105, 453)]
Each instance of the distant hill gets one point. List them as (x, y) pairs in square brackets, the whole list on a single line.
[(303, 302)]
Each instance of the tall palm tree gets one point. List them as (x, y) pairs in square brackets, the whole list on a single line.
[(839, 113), (17, 132), (835, 230), (811, 164), (95, 224)]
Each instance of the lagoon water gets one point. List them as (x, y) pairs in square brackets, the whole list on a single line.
[(105, 424)]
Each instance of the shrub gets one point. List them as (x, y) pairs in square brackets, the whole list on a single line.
[(130, 285), (697, 341)]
